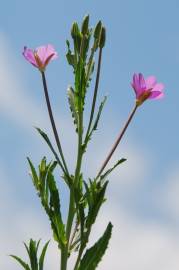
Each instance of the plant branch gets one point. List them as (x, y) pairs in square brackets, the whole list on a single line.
[(94, 95), (117, 141), (53, 121)]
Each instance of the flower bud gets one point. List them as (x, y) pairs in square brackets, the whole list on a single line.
[(102, 37), (97, 30), (74, 30), (85, 23)]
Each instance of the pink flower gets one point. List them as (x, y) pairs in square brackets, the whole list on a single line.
[(146, 88), (41, 56)]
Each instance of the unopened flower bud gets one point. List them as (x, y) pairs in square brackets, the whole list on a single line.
[(102, 37), (74, 30), (85, 23), (97, 30)]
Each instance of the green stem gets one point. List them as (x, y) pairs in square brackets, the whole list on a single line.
[(64, 256), (53, 121), (80, 152), (78, 259), (74, 234), (117, 141), (82, 247), (71, 212), (94, 96), (64, 252)]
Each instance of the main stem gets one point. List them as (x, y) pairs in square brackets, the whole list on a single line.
[(53, 121), (117, 141), (71, 211)]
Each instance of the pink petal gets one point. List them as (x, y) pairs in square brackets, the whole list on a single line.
[(156, 92), (135, 83), (150, 82), (156, 95), (51, 51), (142, 82), (158, 87), (138, 84), (45, 51), (41, 52), (29, 56)]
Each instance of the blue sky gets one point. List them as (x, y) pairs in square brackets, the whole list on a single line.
[(142, 36)]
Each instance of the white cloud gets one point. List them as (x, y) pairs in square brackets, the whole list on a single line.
[(167, 196), (135, 245)]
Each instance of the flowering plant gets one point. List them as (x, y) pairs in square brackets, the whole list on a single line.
[(85, 196)]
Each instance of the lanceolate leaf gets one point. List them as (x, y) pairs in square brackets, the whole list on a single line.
[(33, 247), (80, 204), (73, 107), (104, 176), (70, 56), (94, 255), (55, 213), (42, 256), (22, 263), (99, 114), (95, 198), (80, 85), (33, 174), (45, 137), (49, 195), (32, 250), (95, 125)]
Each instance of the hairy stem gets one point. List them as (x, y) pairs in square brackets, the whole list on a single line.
[(117, 141), (71, 212), (94, 95), (53, 122)]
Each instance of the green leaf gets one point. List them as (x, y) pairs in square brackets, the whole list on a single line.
[(80, 204), (33, 173), (94, 255), (95, 125), (33, 254), (32, 250), (103, 176), (70, 56), (80, 85), (71, 99), (45, 137), (99, 114), (27, 249), (22, 263), (50, 200), (42, 256), (95, 197), (55, 213)]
